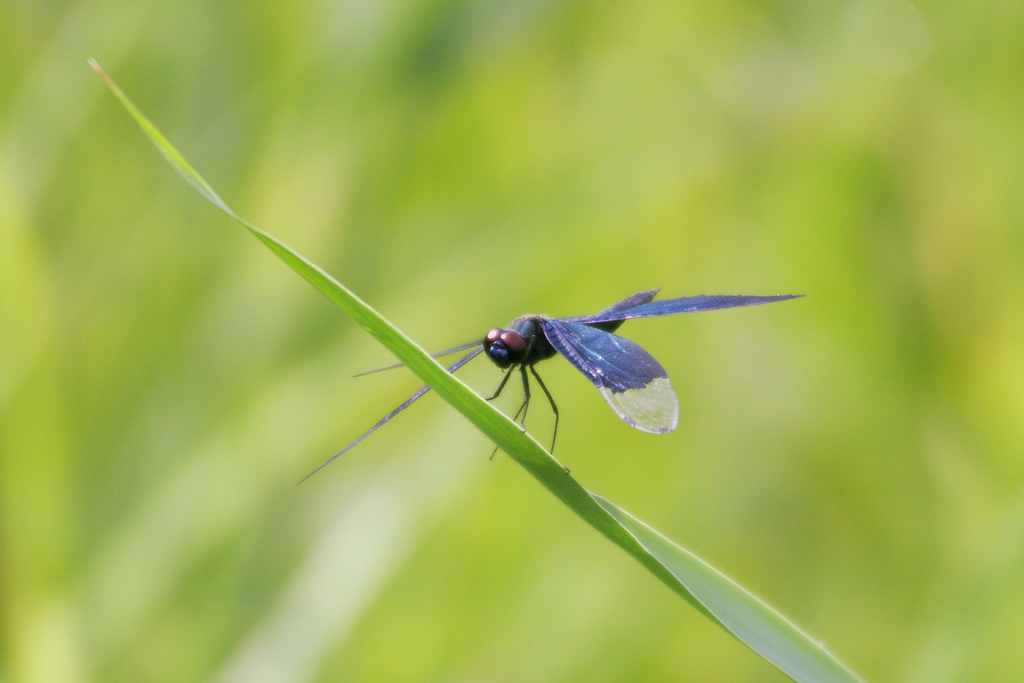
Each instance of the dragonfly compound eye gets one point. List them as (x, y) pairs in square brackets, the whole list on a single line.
[(514, 341), (496, 349)]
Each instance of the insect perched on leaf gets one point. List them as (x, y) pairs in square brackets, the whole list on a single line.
[(633, 383)]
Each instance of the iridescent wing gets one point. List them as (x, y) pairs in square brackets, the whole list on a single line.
[(626, 304), (688, 304), (628, 378)]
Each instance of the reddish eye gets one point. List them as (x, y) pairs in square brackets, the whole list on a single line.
[(493, 336), (513, 340)]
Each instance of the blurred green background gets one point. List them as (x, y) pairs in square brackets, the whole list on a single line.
[(855, 458)]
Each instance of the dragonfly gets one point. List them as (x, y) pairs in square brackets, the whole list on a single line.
[(630, 380)]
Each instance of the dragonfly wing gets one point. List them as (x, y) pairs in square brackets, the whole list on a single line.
[(688, 304), (625, 304), (631, 381), (632, 301)]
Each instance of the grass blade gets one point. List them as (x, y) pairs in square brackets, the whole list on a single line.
[(759, 626), (709, 591)]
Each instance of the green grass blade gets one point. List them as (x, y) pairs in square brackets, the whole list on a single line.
[(759, 626), (710, 592)]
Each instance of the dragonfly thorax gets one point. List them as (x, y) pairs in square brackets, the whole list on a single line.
[(522, 342)]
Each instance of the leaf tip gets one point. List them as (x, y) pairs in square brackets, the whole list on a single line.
[(97, 68), (103, 74)]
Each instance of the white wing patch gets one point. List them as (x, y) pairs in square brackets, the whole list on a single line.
[(652, 408)]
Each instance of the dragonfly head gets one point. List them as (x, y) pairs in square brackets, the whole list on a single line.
[(505, 347)]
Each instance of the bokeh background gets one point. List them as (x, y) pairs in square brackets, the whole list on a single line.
[(855, 458)]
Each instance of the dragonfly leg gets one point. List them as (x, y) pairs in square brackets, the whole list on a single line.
[(554, 408), (526, 394), (451, 368), (501, 386), (523, 406)]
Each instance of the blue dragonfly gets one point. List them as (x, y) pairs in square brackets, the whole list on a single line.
[(629, 379)]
